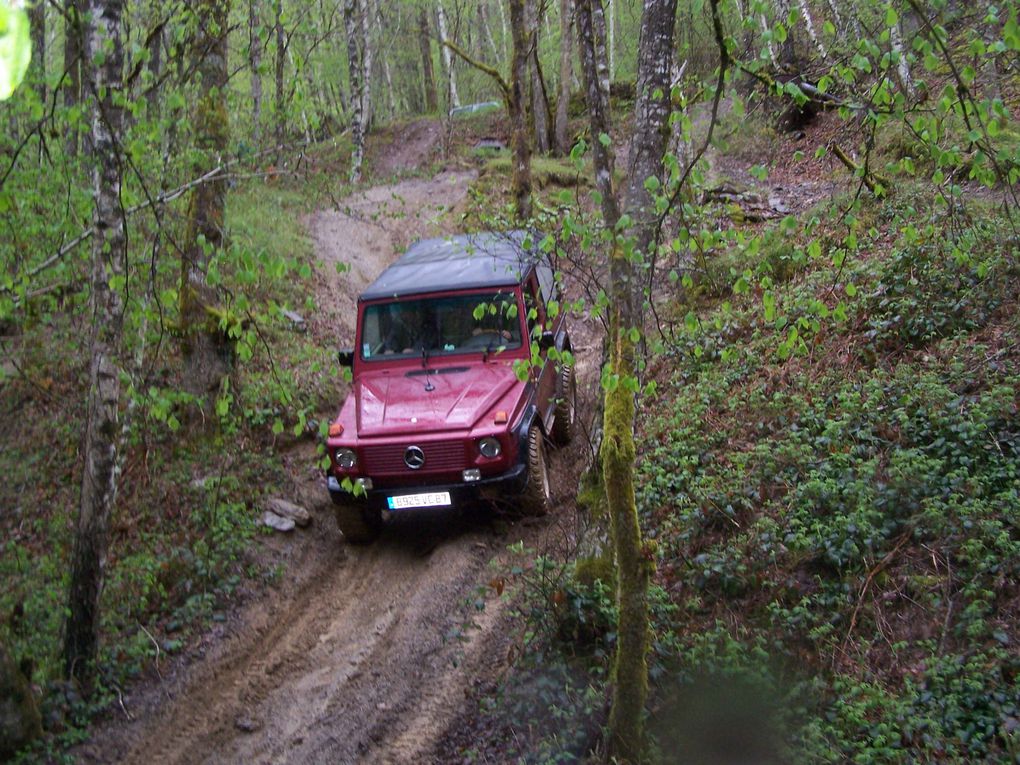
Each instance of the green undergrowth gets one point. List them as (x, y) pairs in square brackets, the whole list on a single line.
[(831, 471), (184, 537)]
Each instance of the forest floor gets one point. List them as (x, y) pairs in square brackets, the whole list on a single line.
[(360, 654)]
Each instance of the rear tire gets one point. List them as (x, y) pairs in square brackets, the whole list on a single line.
[(536, 498), (359, 525), (564, 422)]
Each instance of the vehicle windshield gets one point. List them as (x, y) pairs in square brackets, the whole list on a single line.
[(441, 325)]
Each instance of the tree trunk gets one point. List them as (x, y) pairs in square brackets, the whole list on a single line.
[(109, 251), (566, 57), (598, 15), (73, 63), (207, 350), (539, 103), (20, 721), (255, 64), (281, 53), (483, 21), (385, 61), (611, 39), (603, 156), (366, 68), (634, 567), (155, 65), (451, 79), (902, 65), (37, 27), (810, 25), (788, 50), (355, 65), (521, 174), (425, 43)]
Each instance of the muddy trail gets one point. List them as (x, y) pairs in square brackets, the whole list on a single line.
[(360, 654)]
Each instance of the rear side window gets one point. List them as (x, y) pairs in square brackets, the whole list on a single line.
[(441, 326)]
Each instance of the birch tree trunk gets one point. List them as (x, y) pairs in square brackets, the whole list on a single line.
[(208, 353), (597, 96), (771, 48), (902, 65), (102, 42), (598, 15), (255, 64), (810, 25), (355, 65), (425, 43), (451, 79), (566, 73)]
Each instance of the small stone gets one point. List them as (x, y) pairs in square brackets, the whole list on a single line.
[(778, 205), (296, 319), (285, 509), (274, 521), (246, 724)]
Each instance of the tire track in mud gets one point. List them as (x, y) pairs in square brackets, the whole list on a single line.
[(346, 667)]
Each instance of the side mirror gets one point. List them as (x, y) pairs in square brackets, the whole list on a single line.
[(548, 340), (346, 357)]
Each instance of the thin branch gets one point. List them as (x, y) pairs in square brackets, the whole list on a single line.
[(481, 66)]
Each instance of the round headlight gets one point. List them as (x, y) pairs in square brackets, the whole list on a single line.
[(489, 447), (346, 458)]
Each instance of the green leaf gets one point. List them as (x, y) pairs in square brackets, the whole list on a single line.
[(604, 139), (15, 48), (891, 17)]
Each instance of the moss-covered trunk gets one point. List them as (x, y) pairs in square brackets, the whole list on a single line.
[(630, 670)]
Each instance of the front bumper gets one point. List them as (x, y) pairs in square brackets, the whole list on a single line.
[(510, 483)]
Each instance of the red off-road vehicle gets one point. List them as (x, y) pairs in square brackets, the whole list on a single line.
[(456, 383)]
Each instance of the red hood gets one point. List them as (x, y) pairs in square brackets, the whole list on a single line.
[(397, 402)]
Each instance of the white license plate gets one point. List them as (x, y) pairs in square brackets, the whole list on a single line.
[(426, 499)]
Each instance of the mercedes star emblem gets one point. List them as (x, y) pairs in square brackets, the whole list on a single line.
[(414, 457)]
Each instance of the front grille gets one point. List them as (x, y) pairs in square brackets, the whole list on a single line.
[(388, 459)]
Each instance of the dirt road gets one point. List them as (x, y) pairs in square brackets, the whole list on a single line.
[(361, 654)]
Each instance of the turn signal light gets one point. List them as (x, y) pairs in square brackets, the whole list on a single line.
[(335, 429), (501, 417)]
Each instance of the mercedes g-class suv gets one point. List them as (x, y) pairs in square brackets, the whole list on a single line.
[(460, 375)]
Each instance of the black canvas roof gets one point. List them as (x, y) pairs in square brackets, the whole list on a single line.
[(466, 261)]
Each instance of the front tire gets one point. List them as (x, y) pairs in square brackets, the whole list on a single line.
[(359, 525), (537, 497)]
